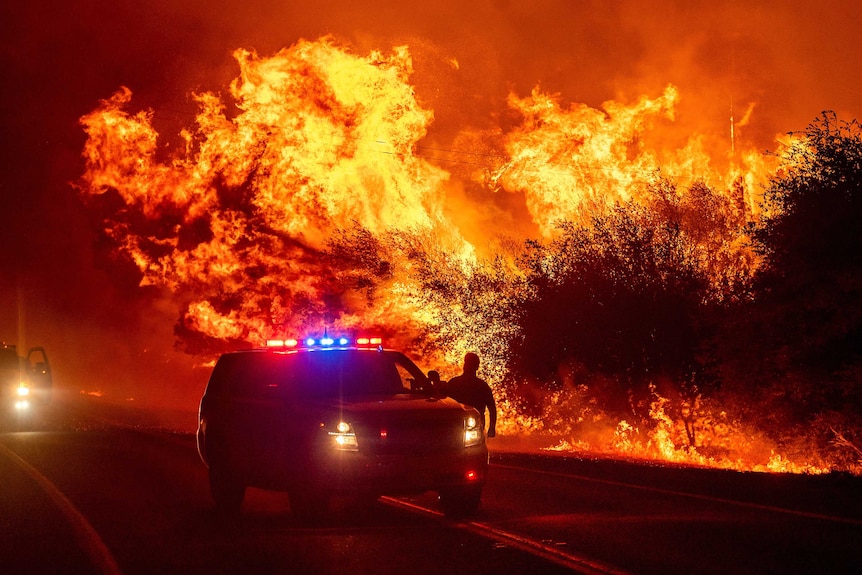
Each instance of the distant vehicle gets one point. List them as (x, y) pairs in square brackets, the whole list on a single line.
[(330, 416), (25, 382)]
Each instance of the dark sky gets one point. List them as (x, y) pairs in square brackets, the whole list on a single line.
[(790, 59)]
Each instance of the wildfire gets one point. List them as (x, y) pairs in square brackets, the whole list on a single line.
[(322, 139), (317, 141), (706, 436), (571, 163)]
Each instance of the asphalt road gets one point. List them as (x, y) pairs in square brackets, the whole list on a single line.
[(81, 494)]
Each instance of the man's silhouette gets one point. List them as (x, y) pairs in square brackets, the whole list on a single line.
[(468, 389)]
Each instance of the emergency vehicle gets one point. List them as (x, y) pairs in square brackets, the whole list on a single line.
[(336, 415), (25, 382)]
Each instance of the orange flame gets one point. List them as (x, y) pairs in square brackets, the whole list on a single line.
[(571, 163), (322, 138)]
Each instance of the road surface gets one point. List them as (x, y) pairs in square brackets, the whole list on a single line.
[(84, 493)]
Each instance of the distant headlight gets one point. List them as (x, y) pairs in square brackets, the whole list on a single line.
[(343, 437), (473, 433), (23, 389)]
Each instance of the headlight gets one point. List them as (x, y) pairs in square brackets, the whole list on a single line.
[(343, 437), (473, 433), (23, 389)]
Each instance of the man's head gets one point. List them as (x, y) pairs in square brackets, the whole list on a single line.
[(471, 362)]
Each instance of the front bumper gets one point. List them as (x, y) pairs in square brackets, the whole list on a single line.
[(393, 474)]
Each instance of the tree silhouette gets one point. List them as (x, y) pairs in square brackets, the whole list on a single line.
[(809, 291), (629, 295)]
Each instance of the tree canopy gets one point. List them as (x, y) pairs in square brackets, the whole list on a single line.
[(809, 290)]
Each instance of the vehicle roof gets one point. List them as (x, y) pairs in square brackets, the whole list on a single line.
[(255, 365)]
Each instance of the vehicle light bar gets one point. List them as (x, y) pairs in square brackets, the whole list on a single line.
[(325, 341)]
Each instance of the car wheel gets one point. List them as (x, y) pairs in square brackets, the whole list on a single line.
[(458, 502), (227, 491)]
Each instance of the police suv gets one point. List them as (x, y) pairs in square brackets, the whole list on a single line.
[(326, 416)]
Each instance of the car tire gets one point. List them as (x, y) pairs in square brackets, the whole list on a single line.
[(459, 502), (228, 492)]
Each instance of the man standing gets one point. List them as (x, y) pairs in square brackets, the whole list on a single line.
[(468, 389)]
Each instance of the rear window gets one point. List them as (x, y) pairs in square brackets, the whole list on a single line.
[(320, 374), (335, 373)]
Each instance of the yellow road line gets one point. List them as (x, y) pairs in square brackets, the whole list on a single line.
[(549, 552)]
